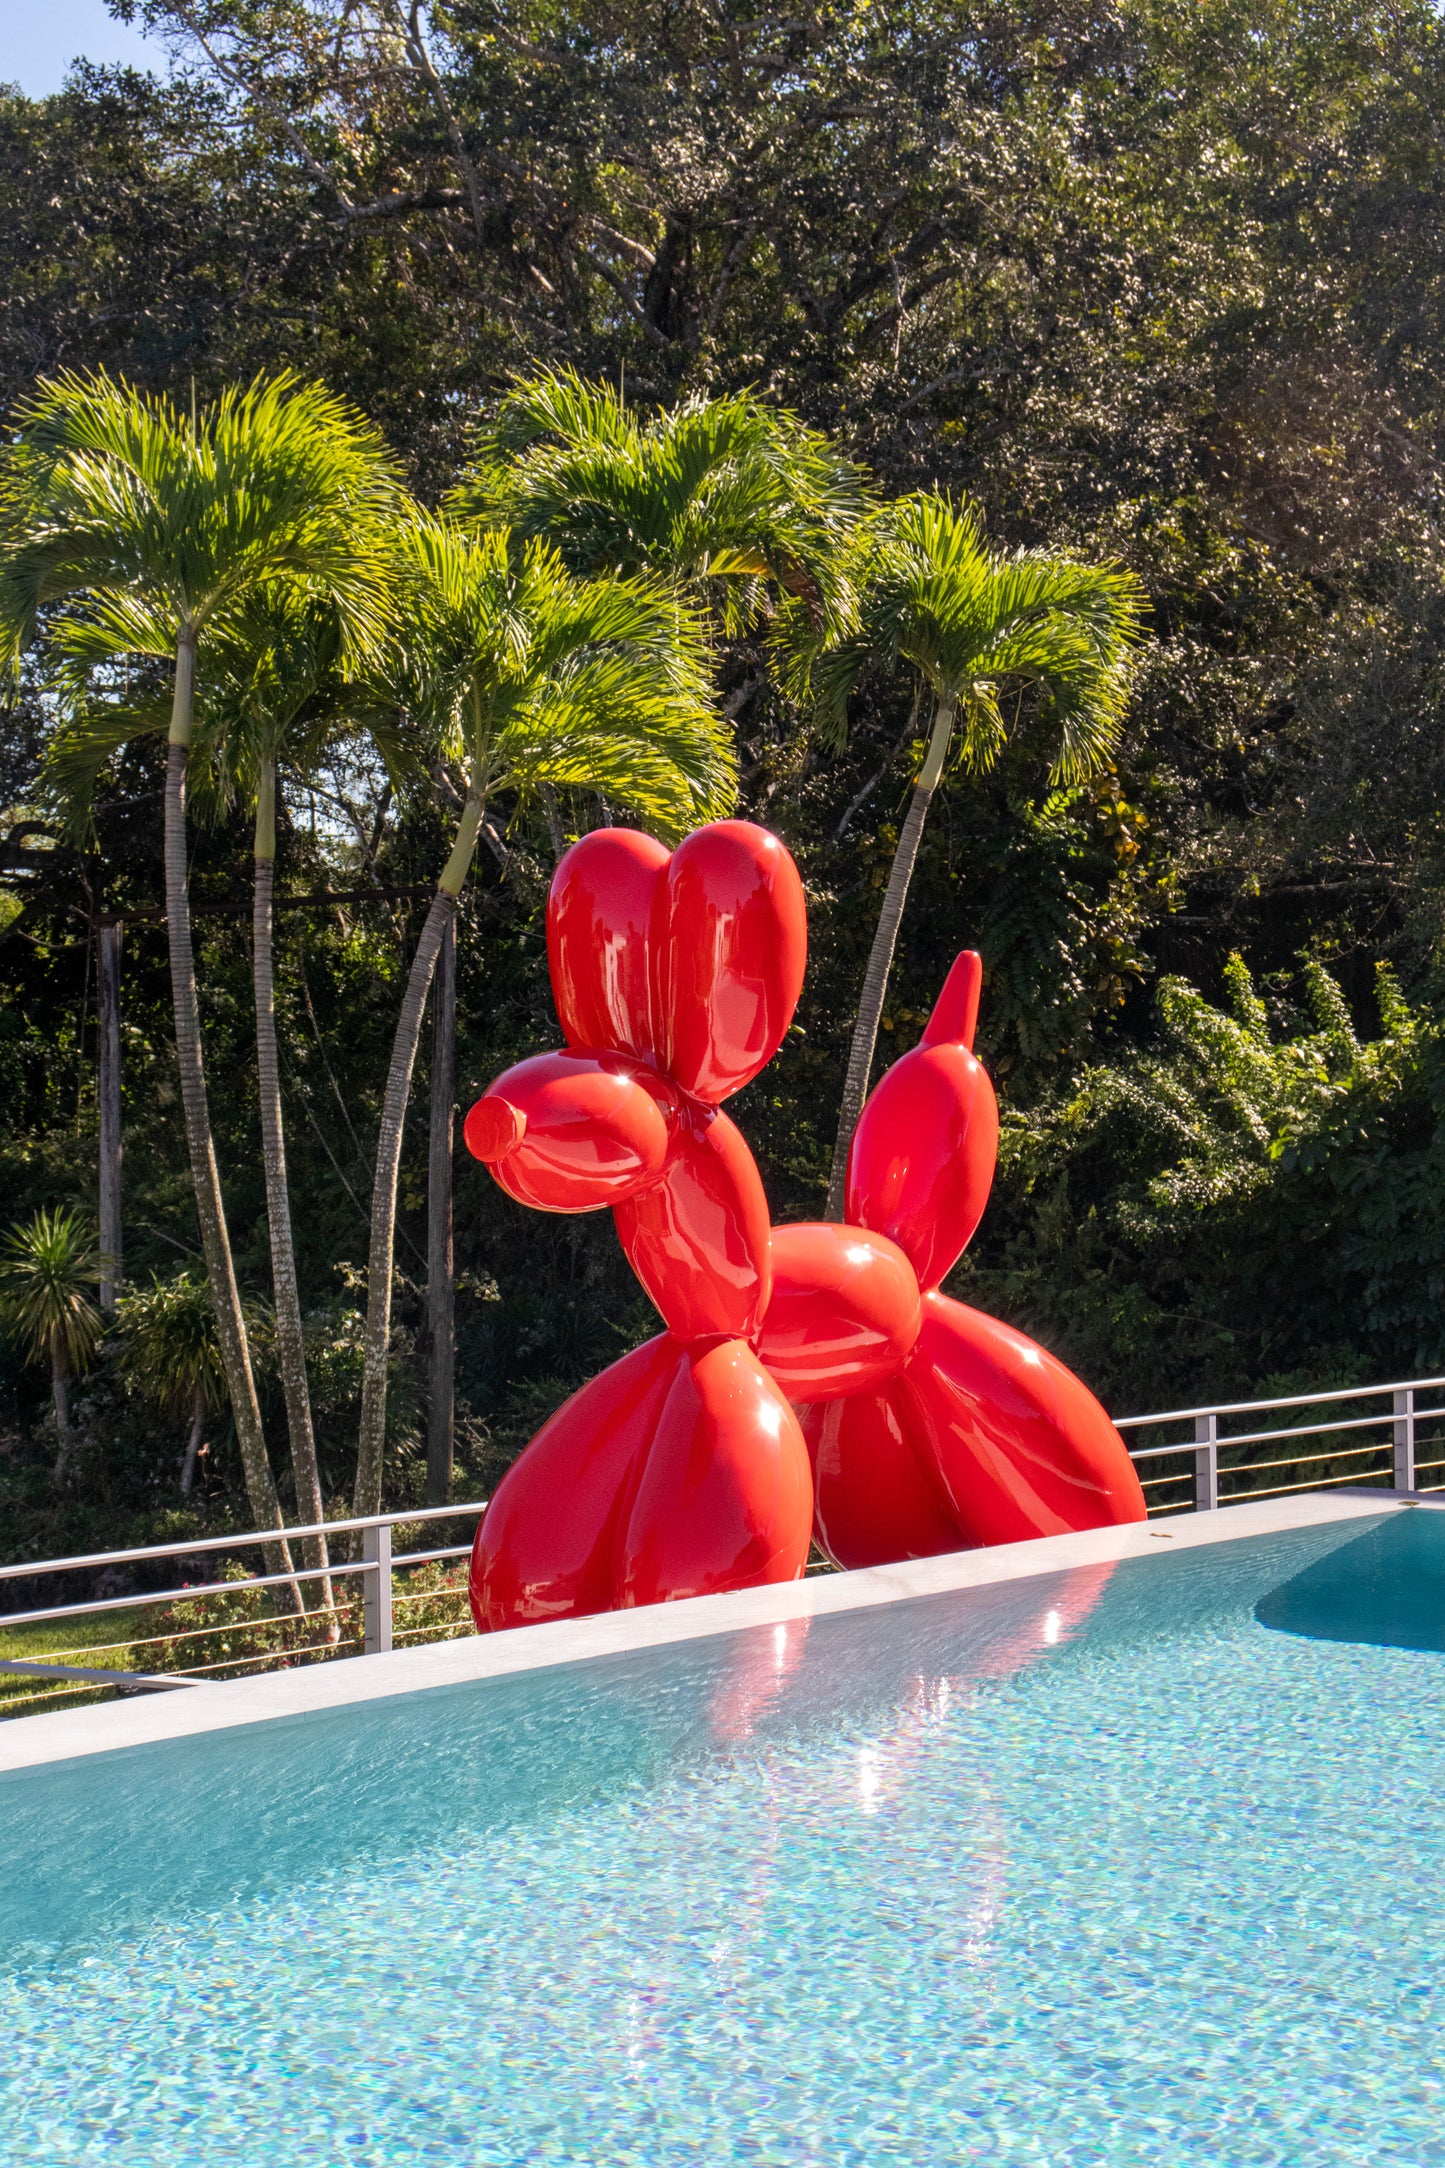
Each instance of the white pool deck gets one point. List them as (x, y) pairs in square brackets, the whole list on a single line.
[(66, 1735)]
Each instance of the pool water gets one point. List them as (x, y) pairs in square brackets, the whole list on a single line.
[(1141, 1865)]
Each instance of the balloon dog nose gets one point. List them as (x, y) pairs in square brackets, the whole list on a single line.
[(493, 1128)]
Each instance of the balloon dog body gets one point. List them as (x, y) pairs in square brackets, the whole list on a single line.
[(811, 1378)]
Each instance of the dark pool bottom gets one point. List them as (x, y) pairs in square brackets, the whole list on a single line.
[(1140, 1864)]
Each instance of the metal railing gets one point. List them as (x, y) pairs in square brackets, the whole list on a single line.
[(1220, 1467), (1210, 1467), (373, 1632)]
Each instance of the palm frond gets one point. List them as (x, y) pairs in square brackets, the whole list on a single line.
[(47, 1264), (81, 750), (557, 404), (726, 496), (271, 688), (113, 625), (109, 492), (974, 624), (535, 676), (170, 1346)]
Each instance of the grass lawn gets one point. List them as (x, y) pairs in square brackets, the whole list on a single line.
[(103, 1642)]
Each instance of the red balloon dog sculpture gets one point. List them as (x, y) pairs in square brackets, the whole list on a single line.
[(685, 1468)]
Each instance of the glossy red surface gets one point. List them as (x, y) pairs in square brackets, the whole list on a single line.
[(599, 914), (876, 1498), (569, 1132), (1021, 1446), (547, 1546), (844, 1311), (725, 1498), (955, 1013), (923, 1154), (730, 942), (683, 1469), (983, 1437), (678, 1472), (698, 1238)]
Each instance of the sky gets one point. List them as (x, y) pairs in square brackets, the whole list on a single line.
[(40, 38)]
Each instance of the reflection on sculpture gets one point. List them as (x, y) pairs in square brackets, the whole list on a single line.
[(812, 1379)]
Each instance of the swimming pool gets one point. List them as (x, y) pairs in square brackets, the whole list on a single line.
[(1137, 1863)]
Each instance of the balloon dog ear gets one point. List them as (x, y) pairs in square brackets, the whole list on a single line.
[(955, 1013), (599, 933), (729, 947), (692, 962)]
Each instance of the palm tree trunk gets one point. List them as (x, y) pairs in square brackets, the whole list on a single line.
[(290, 1340), (220, 1269), (553, 812), (367, 1496), (880, 956), (61, 1399), (440, 1285), (193, 1442), (108, 1093)]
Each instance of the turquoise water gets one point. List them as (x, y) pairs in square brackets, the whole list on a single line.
[(1141, 1867)]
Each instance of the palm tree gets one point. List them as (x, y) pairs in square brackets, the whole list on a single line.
[(729, 497), (276, 694), (47, 1266), (525, 676), (172, 1353), (135, 531), (973, 624)]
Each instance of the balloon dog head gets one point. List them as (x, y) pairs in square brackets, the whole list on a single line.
[(675, 977)]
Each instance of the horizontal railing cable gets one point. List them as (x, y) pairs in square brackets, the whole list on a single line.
[(198, 1544), (1218, 1465), (180, 1595), (1324, 1482), (1248, 1467), (1291, 1400)]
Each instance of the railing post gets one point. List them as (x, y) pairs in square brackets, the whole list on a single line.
[(1405, 1439), (1206, 1463), (376, 1598)]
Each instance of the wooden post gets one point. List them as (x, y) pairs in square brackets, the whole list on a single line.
[(108, 1050), (440, 1290)]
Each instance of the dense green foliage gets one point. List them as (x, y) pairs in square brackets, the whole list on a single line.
[(1248, 1196), (47, 1269), (1159, 282)]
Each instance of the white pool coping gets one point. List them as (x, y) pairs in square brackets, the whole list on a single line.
[(69, 1734)]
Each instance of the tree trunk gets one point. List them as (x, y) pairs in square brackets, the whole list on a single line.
[(61, 1399), (440, 1283), (290, 1340), (108, 1093), (553, 812), (193, 1442), (880, 956), (367, 1496), (220, 1270)]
